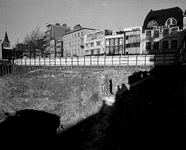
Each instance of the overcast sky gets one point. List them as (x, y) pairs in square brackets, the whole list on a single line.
[(19, 17)]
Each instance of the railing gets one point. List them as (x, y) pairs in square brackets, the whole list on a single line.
[(6, 67), (96, 61)]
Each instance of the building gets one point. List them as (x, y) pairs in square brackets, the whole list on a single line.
[(161, 29), (59, 47), (94, 42), (7, 51), (73, 41), (184, 20), (114, 44), (6, 42), (133, 40), (53, 32)]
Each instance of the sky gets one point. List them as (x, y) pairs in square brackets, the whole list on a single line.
[(20, 17)]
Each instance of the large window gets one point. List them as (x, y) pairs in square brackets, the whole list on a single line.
[(165, 44), (148, 45), (174, 44), (165, 32), (171, 21), (152, 24), (156, 34), (148, 35), (156, 46)]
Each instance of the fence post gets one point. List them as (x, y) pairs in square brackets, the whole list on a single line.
[(112, 61), (128, 60), (84, 61), (71, 62), (119, 61), (78, 61), (49, 63), (60, 64), (105, 61)]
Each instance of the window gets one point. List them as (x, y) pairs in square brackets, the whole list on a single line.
[(111, 42), (152, 24), (107, 42), (174, 44), (148, 45), (98, 43), (127, 45), (148, 34), (156, 46), (165, 32), (174, 31), (171, 21), (78, 34), (156, 34), (120, 41), (116, 41), (81, 33), (165, 44)]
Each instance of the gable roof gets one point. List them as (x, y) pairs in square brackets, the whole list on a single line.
[(160, 16), (6, 38)]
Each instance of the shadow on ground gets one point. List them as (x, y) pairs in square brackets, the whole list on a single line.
[(146, 117)]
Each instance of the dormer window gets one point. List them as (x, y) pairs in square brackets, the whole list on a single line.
[(152, 24), (171, 21)]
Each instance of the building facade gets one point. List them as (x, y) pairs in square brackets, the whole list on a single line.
[(161, 29), (53, 32), (94, 42), (59, 47), (73, 41), (1, 50), (114, 44), (133, 40)]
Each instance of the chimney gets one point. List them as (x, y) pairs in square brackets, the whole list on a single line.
[(77, 27)]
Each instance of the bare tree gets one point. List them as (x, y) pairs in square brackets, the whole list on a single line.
[(33, 36), (34, 41)]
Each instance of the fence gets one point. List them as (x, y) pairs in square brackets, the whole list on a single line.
[(6, 67), (27, 64)]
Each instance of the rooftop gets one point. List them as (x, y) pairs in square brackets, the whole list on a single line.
[(160, 16)]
